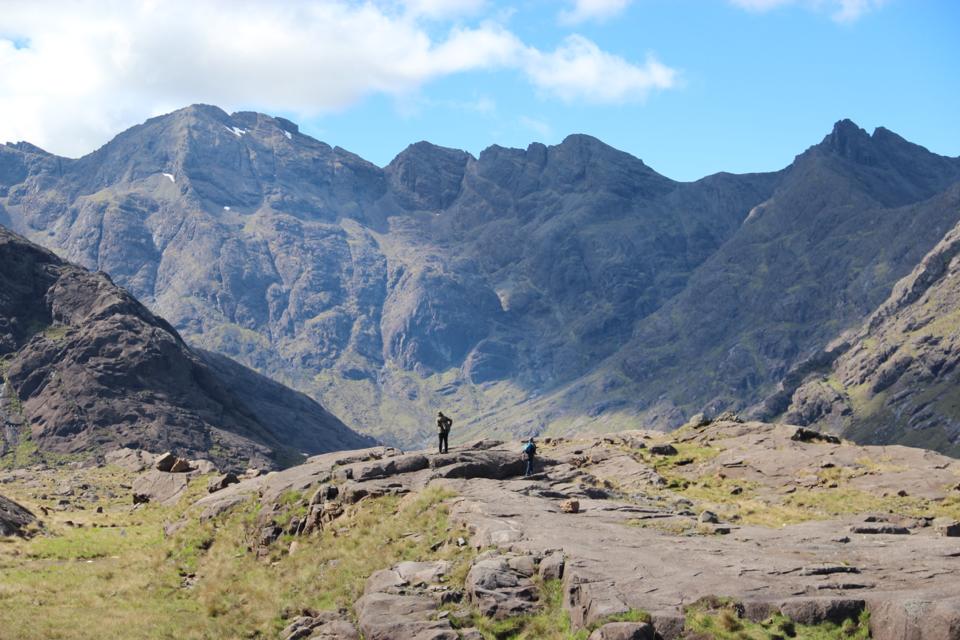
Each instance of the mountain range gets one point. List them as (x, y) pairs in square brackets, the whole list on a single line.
[(548, 289)]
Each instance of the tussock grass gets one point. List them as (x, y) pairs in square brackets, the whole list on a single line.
[(719, 618)]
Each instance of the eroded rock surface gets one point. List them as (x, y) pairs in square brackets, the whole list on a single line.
[(639, 543), (13, 518)]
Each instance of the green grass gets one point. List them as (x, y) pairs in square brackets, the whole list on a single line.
[(241, 595), (26, 452), (127, 580), (56, 332), (719, 619)]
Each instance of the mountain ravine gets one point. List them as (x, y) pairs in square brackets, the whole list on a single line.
[(550, 288)]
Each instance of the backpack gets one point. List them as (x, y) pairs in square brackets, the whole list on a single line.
[(530, 448)]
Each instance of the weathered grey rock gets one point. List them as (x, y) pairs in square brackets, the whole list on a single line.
[(915, 618), (500, 590), (551, 566), (817, 610), (221, 482), (809, 435), (220, 507), (624, 631), (950, 529), (407, 575), (160, 486), (165, 462), (708, 517), (202, 467), (876, 529), (327, 625), (180, 466), (135, 460), (385, 616), (663, 450), (13, 518)]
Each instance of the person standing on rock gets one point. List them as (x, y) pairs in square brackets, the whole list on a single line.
[(443, 431), (529, 450)]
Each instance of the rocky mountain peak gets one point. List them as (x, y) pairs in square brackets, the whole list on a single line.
[(849, 141), (427, 176)]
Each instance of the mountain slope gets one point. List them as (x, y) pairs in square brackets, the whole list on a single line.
[(896, 380), (87, 368), (850, 217)]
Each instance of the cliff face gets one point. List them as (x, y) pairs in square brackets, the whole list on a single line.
[(567, 286), (87, 368)]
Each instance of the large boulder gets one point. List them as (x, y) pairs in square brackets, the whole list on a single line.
[(159, 486), (387, 616), (135, 460), (13, 518), (501, 586)]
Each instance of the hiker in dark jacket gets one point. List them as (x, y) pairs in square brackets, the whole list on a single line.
[(443, 431), (530, 450)]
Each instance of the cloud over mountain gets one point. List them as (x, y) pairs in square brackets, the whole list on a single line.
[(73, 72)]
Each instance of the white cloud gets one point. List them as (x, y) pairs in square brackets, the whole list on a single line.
[(91, 69), (840, 10), (580, 70), (584, 10), (443, 8)]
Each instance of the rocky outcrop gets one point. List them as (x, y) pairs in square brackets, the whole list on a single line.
[(13, 518), (159, 486), (502, 586), (87, 368), (404, 602)]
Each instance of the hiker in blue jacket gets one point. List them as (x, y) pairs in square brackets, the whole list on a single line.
[(530, 450)]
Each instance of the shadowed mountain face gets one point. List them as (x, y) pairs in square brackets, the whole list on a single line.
[(896, 378), (565, 285), (87, 368), (849, 218)]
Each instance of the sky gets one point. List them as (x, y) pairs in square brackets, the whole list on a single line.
[(692, 87)]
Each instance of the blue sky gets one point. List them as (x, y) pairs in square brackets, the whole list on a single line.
[(690, 86)]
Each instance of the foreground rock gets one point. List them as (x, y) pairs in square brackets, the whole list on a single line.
[(638, 543), (502, 586), (321, 626), (13, 518)]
